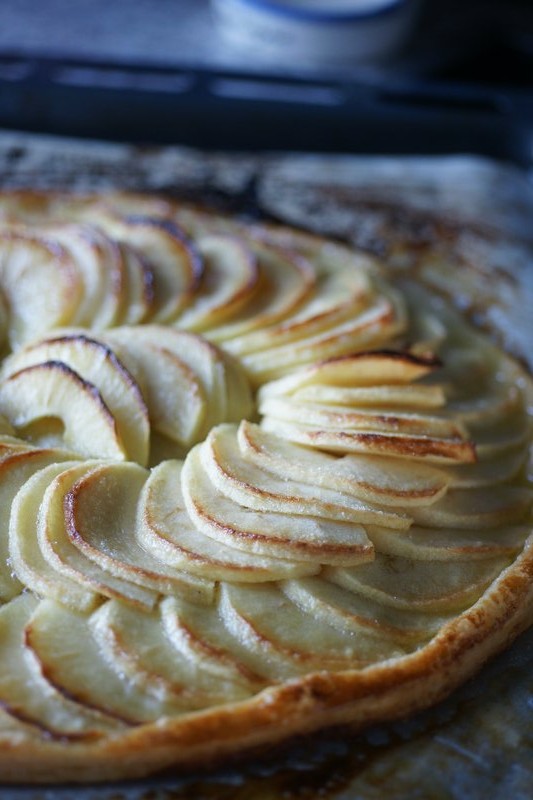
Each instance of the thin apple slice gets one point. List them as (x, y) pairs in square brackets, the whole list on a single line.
[(344, 418), (408, 584), (494, 406), (119, 202), (413, 396), (444, 544), (7, 430), (267, 622), (239, 403), (135, 644), (100, 264), (100, 513), (495, 441), (51, 404), (139, 293), (174, 395), (477, 508), (95, 363), (375, 325), (213, 387), (9, 445), (14, 729), (373, 478), (63, 643), (486, 473), (16, 467), (241, 481), (176, 265), (24, 692), (230, 280), (198, 635), (304, 538), (26, 557), (165, 530), (359, 370), (29, 266), (337, 297), (176, 388), (347, 611), (66, 559), (427, 448), (287, 281)]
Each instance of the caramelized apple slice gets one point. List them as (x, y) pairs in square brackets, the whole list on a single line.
[(174, 395), (239, 404), (63, 643), (498, 469), (26, 557), (344, 418), (97, 364), (374, 478), (230, 280), (495, 406), (13, 729), (304, 538), (100, 513), (69, 562), (267, 622), (371, 327), (347, 611), (477, 508), (50, 404), (139, 292), (29, 266), (337, 297), (212, 386), (176, 265), (166, 531), (199, 635), (499, 444), (382, 368), (244, 483), (405, 583), (412, 396), (16, 467), (433, 449), (24, 692), (123, 203), (135, 644), (443, 544), (100, 264), (287, 280)]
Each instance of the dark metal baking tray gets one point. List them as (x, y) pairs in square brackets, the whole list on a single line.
[(240, 110)]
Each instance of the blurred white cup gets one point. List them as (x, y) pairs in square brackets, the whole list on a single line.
[(317, 30)]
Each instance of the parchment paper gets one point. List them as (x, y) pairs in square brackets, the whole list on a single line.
[(479, 743)]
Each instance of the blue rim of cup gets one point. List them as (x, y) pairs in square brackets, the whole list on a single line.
[(315, 15)]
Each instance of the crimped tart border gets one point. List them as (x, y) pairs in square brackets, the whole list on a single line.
[(356, 698)]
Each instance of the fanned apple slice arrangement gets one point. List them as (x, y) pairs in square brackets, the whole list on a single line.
[(248, 488), (75, 389)]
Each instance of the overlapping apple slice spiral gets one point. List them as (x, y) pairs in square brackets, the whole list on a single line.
[(384, 489), (274, 301)]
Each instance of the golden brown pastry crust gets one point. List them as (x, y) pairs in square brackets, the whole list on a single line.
[(355, 698)]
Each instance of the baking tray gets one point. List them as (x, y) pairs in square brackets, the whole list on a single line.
[(368, 111), (478, 743)]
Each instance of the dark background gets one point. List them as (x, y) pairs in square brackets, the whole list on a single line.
[(157, 71)]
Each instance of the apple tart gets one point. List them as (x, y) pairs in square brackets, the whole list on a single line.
[(250, 487)]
